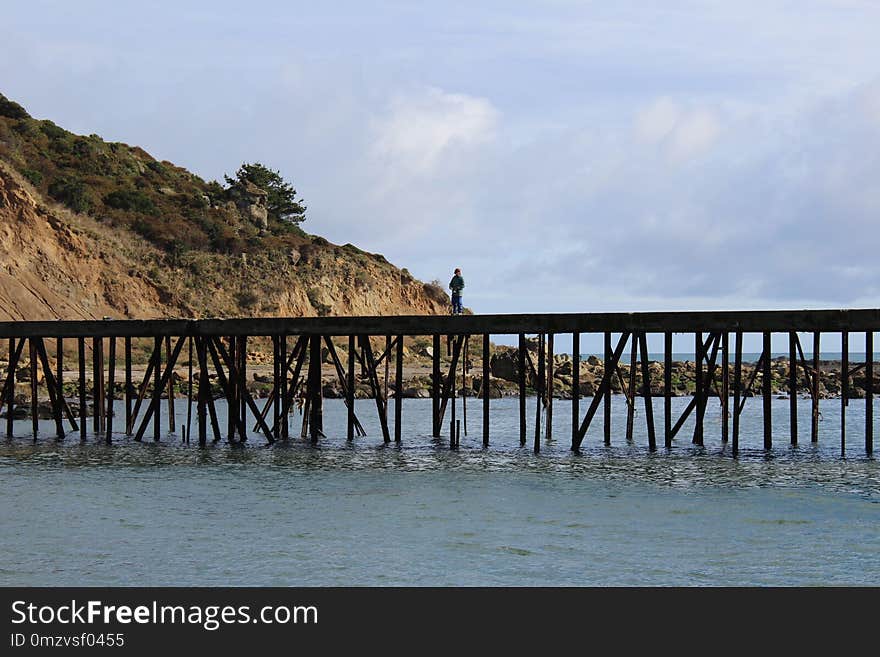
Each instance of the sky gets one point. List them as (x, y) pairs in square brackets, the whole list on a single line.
[(568, 156)]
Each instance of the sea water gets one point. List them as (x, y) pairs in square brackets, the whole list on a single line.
[(84, 513)]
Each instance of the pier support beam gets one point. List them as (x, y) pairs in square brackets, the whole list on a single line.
[(314, 392), (667, 389), (605, 385), (351, 389), (814, 393), (521, 374), (575, 382), (398, 391), (844, 387), (81, 353), (111, 381), (646, 391), (792, 387), (767, 380), (486, 390), (699, 393), (725, 385), (609, 368), (869, 392), (737, 388), (435, 386), (542, 372)]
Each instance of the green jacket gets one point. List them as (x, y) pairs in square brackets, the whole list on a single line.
[(456, 285)]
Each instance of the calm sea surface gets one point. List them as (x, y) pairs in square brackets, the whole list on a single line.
[(168, 513)]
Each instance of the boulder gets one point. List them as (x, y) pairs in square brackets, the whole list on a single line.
[(415, 393), (504, 365)]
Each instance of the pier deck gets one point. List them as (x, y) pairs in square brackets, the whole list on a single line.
[(217, 349)]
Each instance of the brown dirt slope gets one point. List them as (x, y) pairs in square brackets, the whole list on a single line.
[(56, 264)]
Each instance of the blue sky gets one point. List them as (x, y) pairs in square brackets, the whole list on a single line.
[(568, 156)]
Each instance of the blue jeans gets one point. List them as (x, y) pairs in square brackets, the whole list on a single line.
[(456, 305)]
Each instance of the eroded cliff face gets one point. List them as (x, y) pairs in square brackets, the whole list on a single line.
[(55, 264)]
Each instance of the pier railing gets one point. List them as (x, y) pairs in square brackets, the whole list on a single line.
[(217, 349)]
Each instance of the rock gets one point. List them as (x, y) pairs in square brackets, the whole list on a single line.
[(427, 352), (415, 393), (594, 360), (564, 369), (330, 391), (504, 365), (23, 375), (587, 388)]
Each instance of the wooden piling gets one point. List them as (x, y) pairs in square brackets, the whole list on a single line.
[(387, 361), (97, 384), (814, 392), (111, 376), (575, 381), (646, 391), (277, 366), (767, 380), (59, 378), (667, 389), (351, 386), (542, 371), (32, 348), (464, 368), (313, 388), (381, 406), (242, 386), (129, 390), (435, 386), (869, 392), (398, 391), (548, 419), (725, 385), (189, 390), (844, 386), (9, 387), (521, 373), (81, 353), (607, 397), (172, 421), (204, 389), (699, 393), (142, 392), (453, 442), (157, 390), (232, 405), (484, 388), (631, 388), (52, 387), (792, 387), (737, 387), (282, 418)]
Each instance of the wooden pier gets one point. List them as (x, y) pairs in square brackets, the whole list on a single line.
[(217, 349)]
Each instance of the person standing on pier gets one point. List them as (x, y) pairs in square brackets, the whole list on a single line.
[(456, 285)]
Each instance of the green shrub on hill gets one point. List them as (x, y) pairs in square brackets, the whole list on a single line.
[(130, 199), (125, 186), (71, 192)]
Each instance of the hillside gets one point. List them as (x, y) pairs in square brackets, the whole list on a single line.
[(91, 229)]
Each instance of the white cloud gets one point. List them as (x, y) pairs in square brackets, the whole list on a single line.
[(681, 133), (421, 131)]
